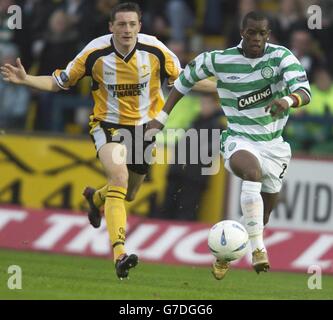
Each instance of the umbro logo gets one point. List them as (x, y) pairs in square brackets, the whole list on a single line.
[(145, 75), (144, 70), (233, 78)]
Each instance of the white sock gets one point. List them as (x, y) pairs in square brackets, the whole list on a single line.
[(253, 211)]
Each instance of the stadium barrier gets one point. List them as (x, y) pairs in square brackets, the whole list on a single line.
[(51, 172), (157, 241)]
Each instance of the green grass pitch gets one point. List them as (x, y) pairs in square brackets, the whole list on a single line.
[(52, 276)]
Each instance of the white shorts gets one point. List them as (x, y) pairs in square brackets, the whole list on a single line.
[(273, 156)]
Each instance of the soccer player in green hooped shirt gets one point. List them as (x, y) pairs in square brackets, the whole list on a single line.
[(257, 83)]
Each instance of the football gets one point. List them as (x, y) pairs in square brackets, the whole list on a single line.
[(227, 240)]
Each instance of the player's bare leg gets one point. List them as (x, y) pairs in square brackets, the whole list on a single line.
[(246, 166), (270, 202), (113, 159), (135, 181)]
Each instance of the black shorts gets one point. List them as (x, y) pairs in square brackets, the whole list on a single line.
[(139, 151)]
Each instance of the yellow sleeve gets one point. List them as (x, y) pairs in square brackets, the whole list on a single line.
[(74, 71), (172, 67)]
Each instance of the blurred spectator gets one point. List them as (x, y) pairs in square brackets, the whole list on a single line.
[(35, 20), (303, 47), (243, 7), (99, 24), (69, 113), (321, 106), (80, 14), (160, 29), (14, 100), (179, 49), (322, 94), (313, 123), (324, 35), (154, 18), (60, 43), (289, 14), (186, 184), (181, 16), (59, 46), (213, 17), (184, 113)]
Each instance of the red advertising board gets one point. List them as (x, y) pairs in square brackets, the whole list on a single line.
[(155, 240)]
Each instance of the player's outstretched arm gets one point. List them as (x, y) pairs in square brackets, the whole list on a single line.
[(205, 86), (17, 75)]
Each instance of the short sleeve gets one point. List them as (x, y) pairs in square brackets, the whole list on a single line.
[(198, 69), (75, 70)]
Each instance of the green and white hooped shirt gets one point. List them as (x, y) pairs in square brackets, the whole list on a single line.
[(245, 86)]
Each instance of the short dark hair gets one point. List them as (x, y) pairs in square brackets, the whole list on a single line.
[(125, 7), (256, 16)]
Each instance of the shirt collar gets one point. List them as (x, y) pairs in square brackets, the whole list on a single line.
[(240, 48), (128, 56)]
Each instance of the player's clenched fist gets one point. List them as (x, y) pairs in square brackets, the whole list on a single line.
[(152, 128), (276, 107)]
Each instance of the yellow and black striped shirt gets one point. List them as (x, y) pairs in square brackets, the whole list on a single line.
[(126, 90)]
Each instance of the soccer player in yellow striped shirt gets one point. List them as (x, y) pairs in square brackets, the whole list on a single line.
[(127, 69)]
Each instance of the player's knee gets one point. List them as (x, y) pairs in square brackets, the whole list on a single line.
[(119, 179), (253, 175)]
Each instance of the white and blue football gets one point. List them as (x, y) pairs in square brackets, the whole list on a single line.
[(227, 240)]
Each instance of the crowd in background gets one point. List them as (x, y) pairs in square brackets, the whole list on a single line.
[(54, 31)]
